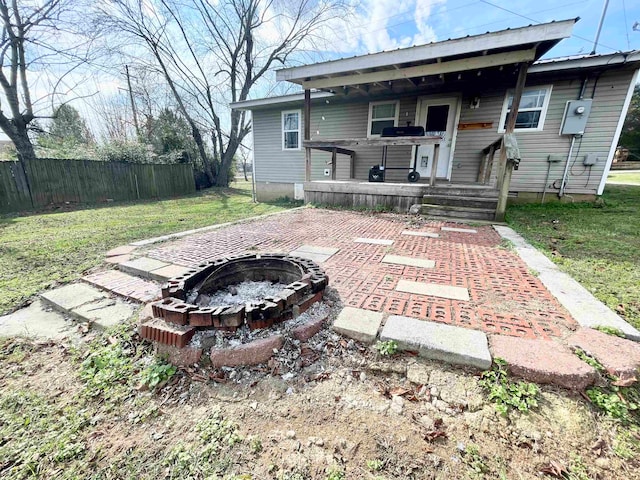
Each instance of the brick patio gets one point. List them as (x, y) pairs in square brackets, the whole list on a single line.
[(505, 298)]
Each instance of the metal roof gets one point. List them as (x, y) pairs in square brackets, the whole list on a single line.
[(490, 49)]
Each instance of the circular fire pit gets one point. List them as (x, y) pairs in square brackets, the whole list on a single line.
[(179, 315)]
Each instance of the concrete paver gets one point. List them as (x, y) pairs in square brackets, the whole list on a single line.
[(71, 296), (104, 313), (163, 274), (438, 341), (619, 356), (316, 254), (459, 230), (420, 234), (433, 289), (359, 324), (543, 361), (36, 321), (409, 261), (143, 267), (586, 309)]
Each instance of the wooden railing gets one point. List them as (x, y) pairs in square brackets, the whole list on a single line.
[(487, 165)]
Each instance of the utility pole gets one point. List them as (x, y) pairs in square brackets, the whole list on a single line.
[(133, 104), (604, 13)]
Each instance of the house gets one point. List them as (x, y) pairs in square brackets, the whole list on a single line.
[(562, 134)]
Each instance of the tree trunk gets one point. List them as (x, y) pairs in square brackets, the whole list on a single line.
[(203, 154), (244, 170), (222, 179), (22, 142)]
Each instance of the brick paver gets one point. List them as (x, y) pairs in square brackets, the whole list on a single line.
[(130, 287), (504, 297)]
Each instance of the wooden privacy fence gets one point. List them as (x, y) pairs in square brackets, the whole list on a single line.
[(46, 181)]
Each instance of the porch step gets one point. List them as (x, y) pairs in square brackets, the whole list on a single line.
[(461, 201), (462, 191), (451, 211)]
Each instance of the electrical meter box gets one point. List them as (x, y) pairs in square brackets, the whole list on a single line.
[(576, 114)]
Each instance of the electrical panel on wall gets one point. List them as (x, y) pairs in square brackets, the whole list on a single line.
[(576, 114)]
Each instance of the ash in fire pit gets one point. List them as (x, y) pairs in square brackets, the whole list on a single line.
[(253, 290), (240, 294)]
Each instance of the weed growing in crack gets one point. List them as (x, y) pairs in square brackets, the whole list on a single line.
[(388, 348), (375, 465), (508, 394), (610, 331)]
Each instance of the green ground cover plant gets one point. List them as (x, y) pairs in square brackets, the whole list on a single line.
[(42, 250), (598, 243)]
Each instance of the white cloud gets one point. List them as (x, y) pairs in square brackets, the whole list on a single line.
[(375, 25)]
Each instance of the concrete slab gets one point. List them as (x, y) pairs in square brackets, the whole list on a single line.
[(143, 267), (374, 241), (420, 234), (104, 313), (438, 341), (71, 296), (163, 274), (318, 250), (620, 357), (409, 261), (459, 230), (359, 324), (315, 257), (433, 289), (586, 309), (117, 259), (543, 361), (36, 321), (122, 250)]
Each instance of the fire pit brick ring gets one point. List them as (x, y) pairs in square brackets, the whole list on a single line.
[(176, 320)]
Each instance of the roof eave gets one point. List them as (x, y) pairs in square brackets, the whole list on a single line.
[(547, 32)]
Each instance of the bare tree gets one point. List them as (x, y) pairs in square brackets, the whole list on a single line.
[(30, 43), (211, 55)]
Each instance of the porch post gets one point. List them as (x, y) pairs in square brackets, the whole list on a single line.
[(434, 164), (334, 154), (505, 169), (307, 134)]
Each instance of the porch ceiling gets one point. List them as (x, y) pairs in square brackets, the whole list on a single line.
[(488, 50)]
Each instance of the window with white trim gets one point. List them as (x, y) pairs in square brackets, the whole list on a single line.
[(382, 115), (532, 111), (291, 130)]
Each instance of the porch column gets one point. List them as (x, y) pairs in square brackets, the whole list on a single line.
[(505, 169), (307, 134)]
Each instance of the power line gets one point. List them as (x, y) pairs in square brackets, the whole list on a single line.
[(536, 21), (626, 25)]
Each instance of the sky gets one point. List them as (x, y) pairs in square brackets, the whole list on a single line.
[(390, 24)]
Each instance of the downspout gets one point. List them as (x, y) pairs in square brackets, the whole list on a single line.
[(563, 185)]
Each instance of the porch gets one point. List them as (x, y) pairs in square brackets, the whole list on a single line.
[(426, 86)]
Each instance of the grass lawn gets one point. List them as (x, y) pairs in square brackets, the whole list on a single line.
[(598, 245), (43, 249), (632, 178)]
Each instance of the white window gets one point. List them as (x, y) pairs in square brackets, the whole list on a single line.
[(291, 130), (532, 111), (381, 115)]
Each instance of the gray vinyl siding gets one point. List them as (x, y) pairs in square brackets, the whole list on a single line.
[(535, 147), (335, 119), (339, 118)]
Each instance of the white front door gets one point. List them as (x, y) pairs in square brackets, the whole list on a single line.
[(438, 117)]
